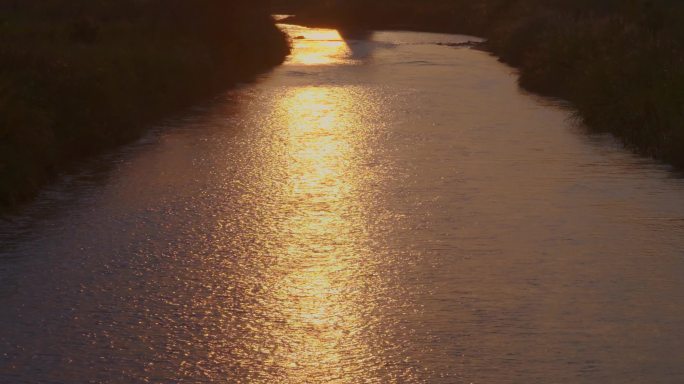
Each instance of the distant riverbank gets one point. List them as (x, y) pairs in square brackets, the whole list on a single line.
[(621, 64), (77, 77)]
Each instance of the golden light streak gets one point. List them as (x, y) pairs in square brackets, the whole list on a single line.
[(319, 47)]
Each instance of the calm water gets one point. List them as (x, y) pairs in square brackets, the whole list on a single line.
[(380, 209)]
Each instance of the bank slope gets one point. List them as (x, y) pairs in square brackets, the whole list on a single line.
[(79, 76)]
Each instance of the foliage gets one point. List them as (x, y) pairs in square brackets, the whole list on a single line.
[(77, 76)]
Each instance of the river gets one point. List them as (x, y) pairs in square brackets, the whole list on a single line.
[(383, 208)]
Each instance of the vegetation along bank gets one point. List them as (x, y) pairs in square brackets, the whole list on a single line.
[(79, 76)]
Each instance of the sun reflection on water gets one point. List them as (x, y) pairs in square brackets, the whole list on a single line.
[(317, 309), (311, 289), (318, 46), (325, 246)]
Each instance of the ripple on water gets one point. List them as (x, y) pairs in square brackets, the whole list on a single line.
[(345, 221)]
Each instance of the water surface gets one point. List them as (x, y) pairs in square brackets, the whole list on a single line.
[(381, 209)]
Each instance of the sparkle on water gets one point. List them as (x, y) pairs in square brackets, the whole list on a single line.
[(319, 46), (315, 309), (377, 210)]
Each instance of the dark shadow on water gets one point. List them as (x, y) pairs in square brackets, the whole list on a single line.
[(355, 34), (359, 41)]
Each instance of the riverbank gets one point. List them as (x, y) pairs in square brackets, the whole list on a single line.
[(77, 77), (621, 64)]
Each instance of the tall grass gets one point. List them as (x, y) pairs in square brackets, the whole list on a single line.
[(620, 63), (77, 76)]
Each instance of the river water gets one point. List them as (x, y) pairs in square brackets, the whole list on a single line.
[(383, 208)]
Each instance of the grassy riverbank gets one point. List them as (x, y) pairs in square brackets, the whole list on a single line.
[(620, 62), (79, 76)]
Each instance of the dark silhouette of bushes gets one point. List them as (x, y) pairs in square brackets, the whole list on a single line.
[(621, 62), (78, 76)]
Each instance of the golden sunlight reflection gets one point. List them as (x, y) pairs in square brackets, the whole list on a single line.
[(319, 46), (318, 300)]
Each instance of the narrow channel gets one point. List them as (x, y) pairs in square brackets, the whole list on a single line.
[(385, 207)]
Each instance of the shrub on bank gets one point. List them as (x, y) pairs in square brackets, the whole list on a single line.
[(619, 63), (77, 76)]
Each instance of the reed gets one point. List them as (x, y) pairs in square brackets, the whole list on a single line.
[(79, 76)]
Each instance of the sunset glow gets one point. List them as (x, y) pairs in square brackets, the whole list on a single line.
[(319, 47)]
